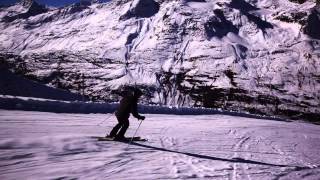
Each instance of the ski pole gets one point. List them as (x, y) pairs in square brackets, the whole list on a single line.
[(104, 120), (134, 134)]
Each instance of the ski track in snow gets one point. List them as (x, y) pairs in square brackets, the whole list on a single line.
[(38, 145)]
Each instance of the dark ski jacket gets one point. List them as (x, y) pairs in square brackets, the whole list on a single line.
[(128, 104)]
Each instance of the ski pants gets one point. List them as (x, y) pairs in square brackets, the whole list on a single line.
[(123, 124)]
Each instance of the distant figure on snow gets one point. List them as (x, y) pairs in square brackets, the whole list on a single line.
[(128, 104)]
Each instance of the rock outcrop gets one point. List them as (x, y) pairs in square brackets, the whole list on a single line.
[(241, 55), (313, 23), (141, 9), (32, 9)]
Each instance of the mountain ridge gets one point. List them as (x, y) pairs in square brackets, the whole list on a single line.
[(253, 56)]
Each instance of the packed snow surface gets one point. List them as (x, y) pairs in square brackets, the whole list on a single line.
[(38, 145)]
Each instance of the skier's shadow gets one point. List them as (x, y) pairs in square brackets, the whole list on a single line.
[(233, 160)]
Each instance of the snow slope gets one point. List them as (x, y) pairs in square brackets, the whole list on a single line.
[(36, 145), (244, 55), (11, 84)]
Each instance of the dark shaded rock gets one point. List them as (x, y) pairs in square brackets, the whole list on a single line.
[(242, 5), (313, 24), (245, 8), (265, 99), (219, 26), (298, 1), (259, 22), (294, 17), (26, 3), (33, 10), (231, 75), (131, 37), (141, 9), (76, 7)]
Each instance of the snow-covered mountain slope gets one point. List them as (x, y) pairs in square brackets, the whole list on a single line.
[(259, 56), (36, 145), (11, 84)]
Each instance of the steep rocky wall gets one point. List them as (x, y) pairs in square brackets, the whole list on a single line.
[(255, 56)]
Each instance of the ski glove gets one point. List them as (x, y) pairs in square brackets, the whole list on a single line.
[(142, 118)]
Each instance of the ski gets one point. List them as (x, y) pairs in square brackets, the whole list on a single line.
[(127, 139)]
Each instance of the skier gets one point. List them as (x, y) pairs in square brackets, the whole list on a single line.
[(128, 104)]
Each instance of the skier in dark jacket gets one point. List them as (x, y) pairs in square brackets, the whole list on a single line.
[(129, 104)]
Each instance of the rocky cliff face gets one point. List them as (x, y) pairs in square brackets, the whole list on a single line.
[(28, 8), (244, 55)]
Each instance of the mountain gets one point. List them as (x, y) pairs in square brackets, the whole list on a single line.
[(29, 8), (256, 56)]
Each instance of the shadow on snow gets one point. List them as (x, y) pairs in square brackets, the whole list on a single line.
[(233, 160)]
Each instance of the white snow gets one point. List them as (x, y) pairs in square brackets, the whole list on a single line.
[(200, 6), (38, 145)]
